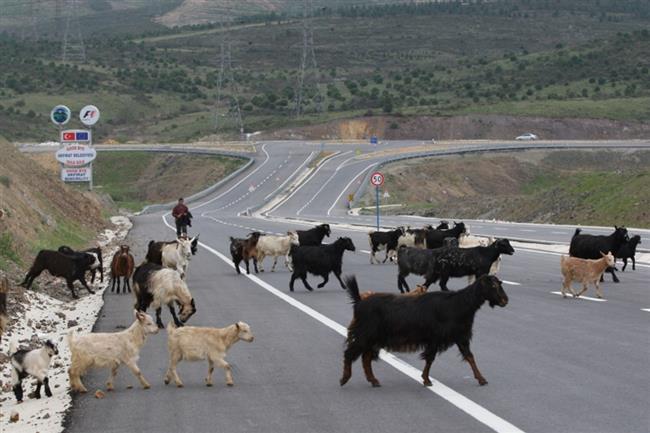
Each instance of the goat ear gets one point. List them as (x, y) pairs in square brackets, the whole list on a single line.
[(602, 253), (237, 325)]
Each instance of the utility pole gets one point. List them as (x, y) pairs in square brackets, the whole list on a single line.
[(226, 81), (74, 49), (308, 65)]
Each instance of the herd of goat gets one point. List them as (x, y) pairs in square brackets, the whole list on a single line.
[(409, 321)]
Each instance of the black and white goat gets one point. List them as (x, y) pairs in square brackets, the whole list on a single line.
[(319, 260), (34, 363), (384, 241), (95, 251)]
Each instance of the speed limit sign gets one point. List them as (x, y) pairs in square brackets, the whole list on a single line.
[(377, 179)]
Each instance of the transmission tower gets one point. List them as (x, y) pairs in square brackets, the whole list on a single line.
[(308, 72), (29, 29), (73, 44), (226, 81)]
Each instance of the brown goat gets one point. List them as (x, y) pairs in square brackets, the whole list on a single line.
[(419, 290), (4, 289), (584, 271), (122, 265), (244, 249)]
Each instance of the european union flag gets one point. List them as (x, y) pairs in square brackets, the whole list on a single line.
[(82, 136)]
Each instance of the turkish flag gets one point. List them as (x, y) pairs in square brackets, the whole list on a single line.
[(68, 136)]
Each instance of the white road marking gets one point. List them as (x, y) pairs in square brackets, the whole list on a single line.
[(511, 283), (560, 233), (290, 176), (348, 186), (528, 230), (238, 183), (324, 184), (586, 298), (645, 309), (460, 401)]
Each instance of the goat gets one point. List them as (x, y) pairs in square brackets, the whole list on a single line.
[(435, 238), (4, 320), (275, 246), (431, 322), (628, 251), (470, 241), (157, 286), (584, 271), (71, 267), (109, 350), (460, 262), (412, 260), (319, 260), (192, 343), (384, 240), (34, 363), (419, 290), (173, 254), (122, 265), (244, 249), (98, 266), (587, 246), (313, 236), (414, 237)]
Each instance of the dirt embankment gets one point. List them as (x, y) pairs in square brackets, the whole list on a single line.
[(39, 211), (494, 127), (601, 188)]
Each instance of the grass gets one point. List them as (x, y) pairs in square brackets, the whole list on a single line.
[(7, 251), (65, 232)]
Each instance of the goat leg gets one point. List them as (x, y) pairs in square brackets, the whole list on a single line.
[(37, 392), (443, 283), (18, 391), (293, 278), (367, 369), (46, 383), (255, 265), (113, 283), (469, 357), (633, 263), (625, 265), (306, 284), (137, 373), (429, 356), (158, 319), (127, 283), (82, 280), (71, 287), (172, 310), (326, 278), (338, 277)]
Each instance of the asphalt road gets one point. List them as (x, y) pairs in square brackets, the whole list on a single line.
[(552, 364)]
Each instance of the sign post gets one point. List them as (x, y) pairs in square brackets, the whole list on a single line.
[(89, 115), (377, 179)]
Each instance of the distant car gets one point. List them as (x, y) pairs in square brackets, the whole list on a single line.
[(527, 136)]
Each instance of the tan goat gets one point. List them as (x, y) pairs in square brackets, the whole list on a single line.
[(109, 350), (584, 271), (193, 343), (419, 290)]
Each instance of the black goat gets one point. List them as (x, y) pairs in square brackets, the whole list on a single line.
[(628, 250), (244, 249), (313, 236), (590, 246), (431, 322), (319, 260), (71, 267), (476, 261), (418, 261), (98, 266), (384, 240), (436, 238)]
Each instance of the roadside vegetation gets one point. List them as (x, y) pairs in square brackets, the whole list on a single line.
[(570, 58), (568, 187)]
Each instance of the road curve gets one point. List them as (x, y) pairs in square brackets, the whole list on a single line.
[(552, 364)]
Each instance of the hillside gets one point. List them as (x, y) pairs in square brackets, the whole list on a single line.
[(507, 58), (569, 187), (39, 211)]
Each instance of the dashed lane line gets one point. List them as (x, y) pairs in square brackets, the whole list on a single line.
[(645, 309), (348, 186), (586, 298), (468, 406)]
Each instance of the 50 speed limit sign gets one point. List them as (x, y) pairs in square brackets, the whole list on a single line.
[(377, 179)]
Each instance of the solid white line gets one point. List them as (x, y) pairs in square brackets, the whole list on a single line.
[(290, 176), (645, 309), (586, 298), (348, 185), (238, 183), (512, 283), (460, 401)]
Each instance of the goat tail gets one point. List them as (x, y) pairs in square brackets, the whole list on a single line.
[(70, 339), (352, 288), (576, 233)]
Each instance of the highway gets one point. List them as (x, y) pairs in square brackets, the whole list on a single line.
[(552, 364)]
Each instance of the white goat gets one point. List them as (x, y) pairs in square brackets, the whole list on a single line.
[(110, 350), (584, 271), (275, 246), (31, 363), (175, 254), (193, 343)]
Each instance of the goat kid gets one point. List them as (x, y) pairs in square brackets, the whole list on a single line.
[(193, 343), (110, 350), (34, 363), (584, 271)]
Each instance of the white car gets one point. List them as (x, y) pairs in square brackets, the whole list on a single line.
[(527, 136)]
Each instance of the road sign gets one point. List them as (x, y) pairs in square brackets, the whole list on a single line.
[(60, 115), (76, 136), (76, 155), (89, 115), (374, 140), (77, 174), (377, 179)]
